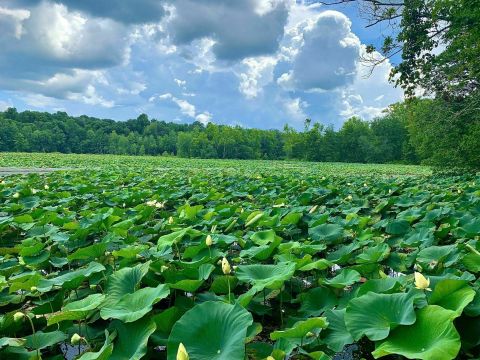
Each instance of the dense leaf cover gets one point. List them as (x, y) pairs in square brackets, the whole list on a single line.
[(113, 258)]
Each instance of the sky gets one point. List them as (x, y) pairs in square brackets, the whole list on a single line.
[(253, 63)]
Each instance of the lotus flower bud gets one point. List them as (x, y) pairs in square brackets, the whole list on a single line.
[(46, 187), (75, 340), (18, 316), (421, 282), (16, 195), (226, 266), (170, 220), (33, 289), (209, 240), (182, 353)]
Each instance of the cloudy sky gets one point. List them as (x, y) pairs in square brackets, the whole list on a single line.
[(255, 63)]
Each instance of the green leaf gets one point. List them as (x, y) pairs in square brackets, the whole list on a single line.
[(398, 227), (78, 309), (329, 233), (374, 315), (336, 336), (300, 328), (315, 301), (123, 282), (131, 343), (71, 279), (345, 278), (211, 331), (452, 295), (102, 354), (263, 237), (432, 337), (90, 252), (42, 340), (135, 305), (266, 276)]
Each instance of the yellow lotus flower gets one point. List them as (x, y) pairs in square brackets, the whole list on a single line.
[(226, 266), (16, 195), (209, 240), (270, 357), (182, 353), (170, 220), (421, 282), (46, 187)]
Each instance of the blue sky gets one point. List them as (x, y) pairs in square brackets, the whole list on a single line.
[(254, 63)]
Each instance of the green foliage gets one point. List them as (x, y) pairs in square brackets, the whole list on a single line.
[(321, 256)]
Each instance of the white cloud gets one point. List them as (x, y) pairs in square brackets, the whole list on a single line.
[(295, 108), (369, 95), (257, 72), (240, 29), (11, 22), (328, 54), (204, 118), (180, 83), (185, 107)]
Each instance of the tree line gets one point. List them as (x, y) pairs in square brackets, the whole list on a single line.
[(417, 131)]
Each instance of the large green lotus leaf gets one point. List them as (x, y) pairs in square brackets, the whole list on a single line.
[(77, 310), (345, 278), (373, 254), (472, 262), (124, 281), (336, 336), (41, 340), (330, 233), (446, 255), (102, 354), (452, 295), (397, 227), (385, 285), (263, 237), (320, 264), (211, 331), (131, 343), (300, 328), (262, 252), (187, 285), (266, 276), (315, 301), (343, 254), (177, 236), (374, 315), (88, 252), (422, 236), (135, 305), (432, 337), (70, 279), (7, 341)]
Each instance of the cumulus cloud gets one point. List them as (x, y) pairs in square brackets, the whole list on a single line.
[(55, 52), (125, 11), (327, 57), (185, 107), (204, 118), (239, 29), (369, 94), (255, 74), (295, 109)]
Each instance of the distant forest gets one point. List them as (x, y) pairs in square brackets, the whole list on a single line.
[(418, 131)]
